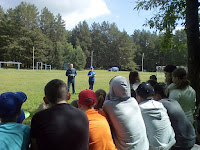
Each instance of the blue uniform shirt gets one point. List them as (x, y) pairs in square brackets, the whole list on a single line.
[(92, 78)]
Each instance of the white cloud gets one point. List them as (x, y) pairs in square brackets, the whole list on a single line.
[(72, 11)]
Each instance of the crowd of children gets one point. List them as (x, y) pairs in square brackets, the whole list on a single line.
[(131, 116)]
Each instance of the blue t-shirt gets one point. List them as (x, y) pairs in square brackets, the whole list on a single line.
[(93, 73), (14, 136)]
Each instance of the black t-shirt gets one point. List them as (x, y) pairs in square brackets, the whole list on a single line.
[(61, 127)]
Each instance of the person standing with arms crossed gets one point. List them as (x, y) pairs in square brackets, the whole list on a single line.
[(91, 75), (71, 73)]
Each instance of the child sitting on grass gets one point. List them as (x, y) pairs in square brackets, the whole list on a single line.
[(13, 135), (99, 129)]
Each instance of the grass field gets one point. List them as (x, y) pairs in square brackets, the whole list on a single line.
[(32, 83)]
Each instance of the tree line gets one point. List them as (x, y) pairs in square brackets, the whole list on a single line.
[(23, 28)]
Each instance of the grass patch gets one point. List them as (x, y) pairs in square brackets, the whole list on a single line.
[(32, 83)]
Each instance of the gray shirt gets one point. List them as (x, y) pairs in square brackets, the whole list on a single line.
[(159, 130), (125, 118), (184, 130)]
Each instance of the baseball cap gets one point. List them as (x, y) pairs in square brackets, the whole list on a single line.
[(91, 67), (10, 104), (145, 90), (87, 94)]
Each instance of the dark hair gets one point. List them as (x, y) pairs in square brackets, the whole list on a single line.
[(152, 82), (55, 91), (183, 82), (169, 68), (133, 93), (100, 94), (133, 77), (153, 77), (89, 100), (160, 88), (75, 103)]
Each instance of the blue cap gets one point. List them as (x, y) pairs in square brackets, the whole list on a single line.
[(21, 117), (91, 67), (10, 104)]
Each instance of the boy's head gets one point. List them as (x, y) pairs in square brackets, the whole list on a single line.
[(144, 92), (75, 103), (160, 91), (153, 77), (56, 91), (152, 82), (87, 98), (10, 104)]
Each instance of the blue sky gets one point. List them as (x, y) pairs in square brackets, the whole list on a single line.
[(122, 13), (73, 11)]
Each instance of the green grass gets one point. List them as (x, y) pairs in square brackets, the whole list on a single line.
[(32, 83)]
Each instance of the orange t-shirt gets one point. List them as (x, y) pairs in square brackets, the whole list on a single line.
[(99, 130)]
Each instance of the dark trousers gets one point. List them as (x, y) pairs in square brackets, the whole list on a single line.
[(91, 83), (71, 81)]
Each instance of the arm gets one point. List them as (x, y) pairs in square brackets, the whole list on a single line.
[(67, 73), (89, 74)]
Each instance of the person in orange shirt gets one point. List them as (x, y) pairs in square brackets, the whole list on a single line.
[(99, 129)]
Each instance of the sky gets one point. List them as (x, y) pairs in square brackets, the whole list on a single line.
[(74, 11)]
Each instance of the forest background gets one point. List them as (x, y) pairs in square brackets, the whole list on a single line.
[(23, 28)]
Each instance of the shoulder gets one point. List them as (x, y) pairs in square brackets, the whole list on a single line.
[(151, 104), (191, 89), (170, 86), (174, 92)]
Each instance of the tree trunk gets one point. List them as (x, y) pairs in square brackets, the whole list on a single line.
[(192, 30)]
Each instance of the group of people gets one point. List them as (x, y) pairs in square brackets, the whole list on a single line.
[(131, 116), (71, 73)]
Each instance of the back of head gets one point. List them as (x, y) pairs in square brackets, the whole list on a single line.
[(180, 73), (100, 94), (145, 90), (169, 68), (160, 88), (87, 97), (119, 88), (133, 77), (75, 103), (182, 82), (152, 82), (55, 91), (153, 77), (10, 104)]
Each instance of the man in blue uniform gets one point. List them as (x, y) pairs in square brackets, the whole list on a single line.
[(91, 75), (71, 73)]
